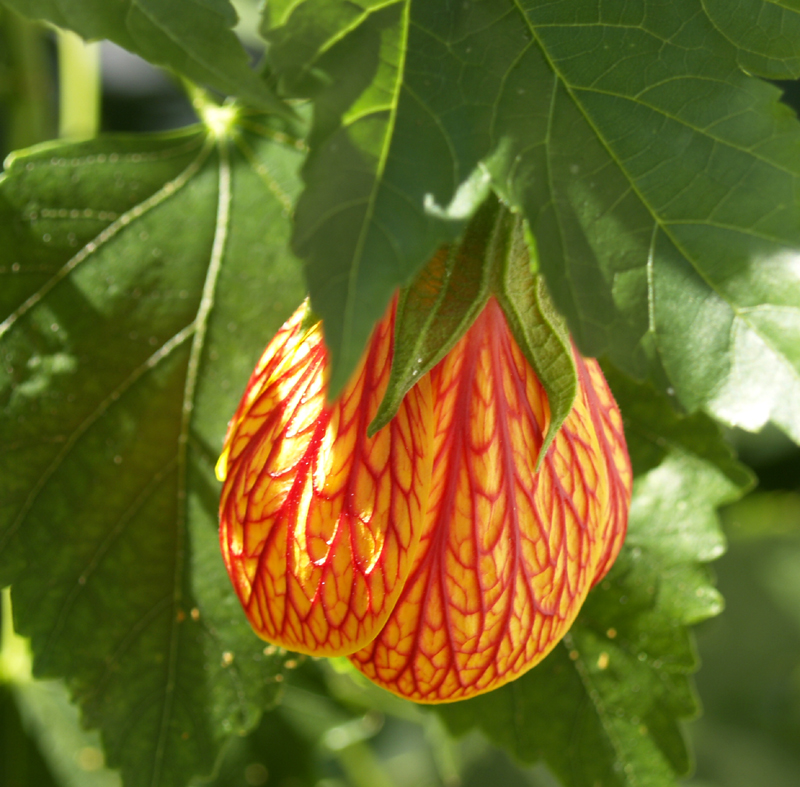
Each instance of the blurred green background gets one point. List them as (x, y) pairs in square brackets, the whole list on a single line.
[(750, 679)]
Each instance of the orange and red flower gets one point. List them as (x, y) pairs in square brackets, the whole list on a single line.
[(434, 554)]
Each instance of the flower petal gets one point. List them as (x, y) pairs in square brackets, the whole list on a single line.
[(318, 522), (507, 555)]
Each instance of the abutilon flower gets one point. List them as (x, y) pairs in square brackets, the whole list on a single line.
[(435, 554)]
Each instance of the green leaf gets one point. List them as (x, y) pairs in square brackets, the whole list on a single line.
[(653, 428), (767, 33), (660, 181), (142, 278), (394, 150), (604, 707), (192, 37), (763, 515), (272, 752), (661, 184)]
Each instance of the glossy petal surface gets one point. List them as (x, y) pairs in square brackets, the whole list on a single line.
[(318, 523), (507, 555)]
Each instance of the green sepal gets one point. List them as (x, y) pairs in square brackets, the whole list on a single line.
[(436, 311), (492, 259), (539, 330)]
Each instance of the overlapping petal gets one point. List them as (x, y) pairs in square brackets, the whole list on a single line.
[(318, 522), (507, 555), (435, 554)]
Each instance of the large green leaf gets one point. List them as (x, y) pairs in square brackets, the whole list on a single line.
[(141, 279), (661, 183), (604, 707), (193, 37), (659, 178), (401, 123)]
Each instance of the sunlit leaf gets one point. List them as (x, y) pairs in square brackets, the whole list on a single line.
[(660, 182), (141, 279)]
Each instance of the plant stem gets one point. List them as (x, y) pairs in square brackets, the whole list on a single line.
[(79, 83)]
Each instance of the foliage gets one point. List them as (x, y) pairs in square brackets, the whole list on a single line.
[(658, 177)]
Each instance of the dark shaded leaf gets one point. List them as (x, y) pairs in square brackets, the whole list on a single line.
[(192, 37), (142, 279), (653, 428)]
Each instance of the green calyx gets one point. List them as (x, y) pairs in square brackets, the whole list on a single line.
[(493, 258)]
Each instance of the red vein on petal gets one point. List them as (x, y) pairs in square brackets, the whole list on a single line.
[(319, 523), (506, 556)]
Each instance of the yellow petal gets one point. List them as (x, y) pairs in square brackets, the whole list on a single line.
[(318, 522), (507, 555)]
